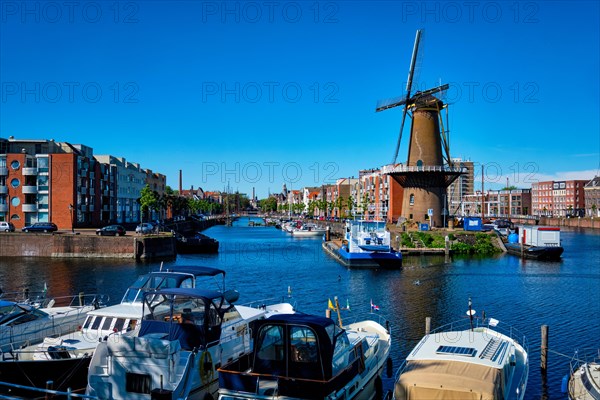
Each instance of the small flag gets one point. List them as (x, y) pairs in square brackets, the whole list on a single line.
[(493, 322), (374, 307), (45, 287), (330, 304), (347, 304)]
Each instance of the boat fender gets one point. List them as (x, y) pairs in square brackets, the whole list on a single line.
[(389, 367), (206, 368), (564, 387)]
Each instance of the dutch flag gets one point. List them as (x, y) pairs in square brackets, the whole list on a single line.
[(374, 307)]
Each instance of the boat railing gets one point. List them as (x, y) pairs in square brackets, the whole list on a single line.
[(372, 316), (583, 356), (55, 393), (490, 323), (262, 304)]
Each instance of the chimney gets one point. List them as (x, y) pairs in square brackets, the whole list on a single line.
[(180, 181)]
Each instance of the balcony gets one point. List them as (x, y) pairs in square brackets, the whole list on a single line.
[(83, 190), (83, 208), (3, 189), (30, 189), (30, 207), (3, 207), (30, 171), (3, 171)]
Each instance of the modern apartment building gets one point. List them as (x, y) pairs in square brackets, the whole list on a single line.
[(558, 198), (379, 197), (43, 180), (507, 203)]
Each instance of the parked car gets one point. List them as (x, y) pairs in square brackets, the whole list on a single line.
[(41, 227), (111, 230), (144, 227), (6, 226)]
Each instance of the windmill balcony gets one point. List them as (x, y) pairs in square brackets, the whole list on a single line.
[(388, 169)]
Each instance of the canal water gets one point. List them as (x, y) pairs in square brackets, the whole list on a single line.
[(265, 264)]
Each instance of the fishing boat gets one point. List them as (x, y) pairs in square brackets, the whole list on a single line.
[(468, 359), (300, 356), (64, 359), (583, 381), (535, 242), (368, 244), (197, 244), (184, 336)]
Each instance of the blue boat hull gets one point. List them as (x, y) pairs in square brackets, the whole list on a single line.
[(392, 259)]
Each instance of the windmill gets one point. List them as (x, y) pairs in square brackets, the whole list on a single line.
[(428, 170)]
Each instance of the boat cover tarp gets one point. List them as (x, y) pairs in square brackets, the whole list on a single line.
[(449, 380)]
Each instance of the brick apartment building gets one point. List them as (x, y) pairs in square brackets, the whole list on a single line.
[(43, 180), (592, 197), (380, 196), (558, 198)]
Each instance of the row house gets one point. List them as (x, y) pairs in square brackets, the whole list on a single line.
[(379, 196), (592, 197), (558, 198), (507, 203), (43, 180)]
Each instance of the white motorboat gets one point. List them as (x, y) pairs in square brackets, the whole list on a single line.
[(308, 230), (300, 356), (186, 333), (368, 244), (22, 324), (64, 359), (584, 379), (466, 360)]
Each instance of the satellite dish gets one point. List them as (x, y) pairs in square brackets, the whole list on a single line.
[(471, 312)]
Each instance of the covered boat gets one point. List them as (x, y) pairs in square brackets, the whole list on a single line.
[(303, 356)]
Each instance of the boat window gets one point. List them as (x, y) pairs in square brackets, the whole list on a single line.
[(88, 321), (340, 354), (303, 345), (96, 322), (270, 343), (28, 317), (119, 324), (106, 325)]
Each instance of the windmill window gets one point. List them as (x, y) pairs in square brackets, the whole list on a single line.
[(419, 163), (412, 199)]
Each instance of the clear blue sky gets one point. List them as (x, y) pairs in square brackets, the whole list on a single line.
[(256, 94)]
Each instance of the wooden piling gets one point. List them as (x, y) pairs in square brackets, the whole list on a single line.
[(544, 349), (427, 325)]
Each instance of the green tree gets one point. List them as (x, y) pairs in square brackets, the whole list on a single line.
[(350, 204), (268, 205), (148, 201)]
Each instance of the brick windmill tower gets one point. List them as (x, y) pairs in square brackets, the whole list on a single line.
[(428, 170)]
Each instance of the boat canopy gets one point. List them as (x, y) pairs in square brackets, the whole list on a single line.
[(450, 380), (296, 346)]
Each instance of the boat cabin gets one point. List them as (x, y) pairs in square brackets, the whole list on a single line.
[(296, 354), (369, 236), (190, 315), (539, 235)]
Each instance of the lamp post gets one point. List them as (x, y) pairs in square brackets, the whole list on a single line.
[(71, 212)]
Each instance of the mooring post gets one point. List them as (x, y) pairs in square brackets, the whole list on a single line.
[(544, 349), (80, 299), (427, 325), (49, 386)]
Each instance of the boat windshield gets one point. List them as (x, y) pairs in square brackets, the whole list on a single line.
[(15, 314), (156, 281)]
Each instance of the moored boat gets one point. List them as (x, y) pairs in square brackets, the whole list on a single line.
[(300, 356), (480, 359), (64, 359), (535, 242), (368, 244), (308, 230), (186, 333), (584, 379)]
